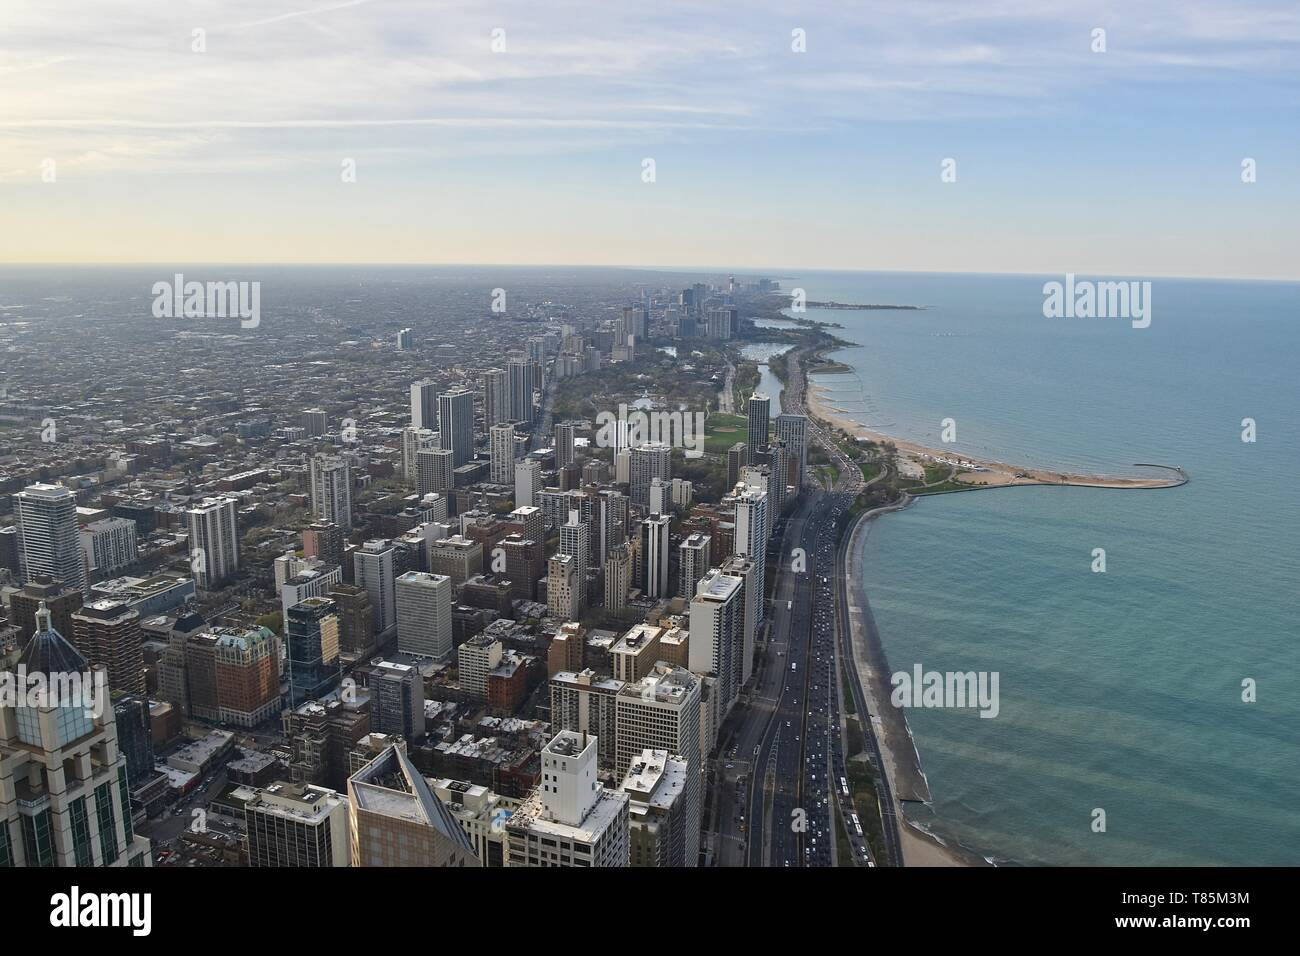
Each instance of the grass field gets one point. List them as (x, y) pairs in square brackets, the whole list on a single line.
[(723, 431)]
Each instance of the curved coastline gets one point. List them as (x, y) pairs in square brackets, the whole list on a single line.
[(898, 748)]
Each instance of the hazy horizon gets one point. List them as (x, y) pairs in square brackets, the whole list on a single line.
[(389, 131)]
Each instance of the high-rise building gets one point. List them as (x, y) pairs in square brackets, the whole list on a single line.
[(248, 676), (692, 564), (569, 820), (502, 445), (717, 632), (737, 458), (575, 539), (760, 410), (776, 460), (397, 700), (751, 596), (214, 542), (107, 632), (356, 620), (564, 453), (457, 557), (424, 614), (496, 396), (62, 602), (297, 825), (65, 795), (315, 422), (414, 441), (435, 470), (405, 340), (48, 537), (793, 430), (456, 424), (312, 635), (525, 377), (662, 712), (654, 555), (424, 405), (528, 482), (562, 584), (331, 490), (374, 569), (324, 542), (635, 652), (395, 819), (649, 461), (475, 660), (585, 703), (660, 810), (618, 578), (752, 526), (109, 545)]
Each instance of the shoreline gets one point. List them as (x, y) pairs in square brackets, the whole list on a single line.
[(897, 746), (898, 751), (983, 473)]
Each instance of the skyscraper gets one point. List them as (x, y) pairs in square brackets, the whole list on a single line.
[(751, 537), (436, 470), (496, 397), (312, 635), (562, 579), (717, 632), (528, 482), (661, 711), (414, 441), (65, 796), (575, 539), (456, 424), (373, 569), (397, 700), (49, 539), (423, 604), (564, 443), (214, 542), (793, 430), (424, 405), (108, 632), (654, 555), (331, 490), (524, 377), (759, 413), (618, 578), (649, 461), (693, 554), (502, 442), (737, 458)]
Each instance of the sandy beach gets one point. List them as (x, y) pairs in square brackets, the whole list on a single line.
[(992, 474)]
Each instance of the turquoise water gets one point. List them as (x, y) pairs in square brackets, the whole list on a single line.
[(1120, 691)]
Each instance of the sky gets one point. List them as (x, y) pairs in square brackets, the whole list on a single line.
[(484, 132)]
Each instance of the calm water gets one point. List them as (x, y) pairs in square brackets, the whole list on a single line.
[(1121, 690), (768, 384)]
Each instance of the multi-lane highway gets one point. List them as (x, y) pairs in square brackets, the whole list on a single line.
[(781, 766)]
